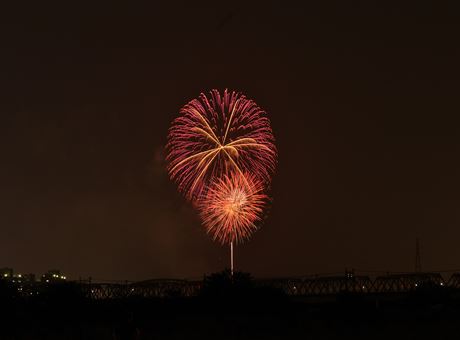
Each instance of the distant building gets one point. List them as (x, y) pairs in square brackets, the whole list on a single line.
[(6, 273), (53, 276), (24, 278)]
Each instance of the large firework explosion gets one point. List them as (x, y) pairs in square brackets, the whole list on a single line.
[(217, 135), (231, 207), (221, 153)]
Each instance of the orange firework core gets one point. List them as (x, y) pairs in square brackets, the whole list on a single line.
[(235, 202), (232, 206)]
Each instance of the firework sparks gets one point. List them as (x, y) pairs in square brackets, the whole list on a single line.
[(218, 135), (232, 206)]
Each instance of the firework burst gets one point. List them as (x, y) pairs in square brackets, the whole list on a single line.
[(232, 206), (218, 135)]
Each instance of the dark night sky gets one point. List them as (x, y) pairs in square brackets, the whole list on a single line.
[(364, 103)]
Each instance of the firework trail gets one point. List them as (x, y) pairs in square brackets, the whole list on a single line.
[(218, 135), (231, 207)]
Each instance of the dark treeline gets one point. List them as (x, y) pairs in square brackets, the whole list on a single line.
[(228, 307)]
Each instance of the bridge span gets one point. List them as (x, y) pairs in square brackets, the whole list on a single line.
[(301, 286)]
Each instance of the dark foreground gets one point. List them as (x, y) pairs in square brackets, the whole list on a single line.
[(232, 312), (343, 317)]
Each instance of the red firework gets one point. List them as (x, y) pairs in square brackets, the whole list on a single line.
[(232, 206), (217, 135)]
